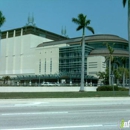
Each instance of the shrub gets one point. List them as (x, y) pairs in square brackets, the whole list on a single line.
[(123, 89), (107, 88)]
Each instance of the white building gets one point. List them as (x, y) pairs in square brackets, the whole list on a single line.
[(31, 51), (95, 64), (18, 48)]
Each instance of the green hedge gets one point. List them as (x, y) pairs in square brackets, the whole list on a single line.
[(123, 89), (107, 88)]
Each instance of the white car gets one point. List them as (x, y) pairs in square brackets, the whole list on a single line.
[(47, 84)]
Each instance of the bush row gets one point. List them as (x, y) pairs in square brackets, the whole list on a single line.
[(110, 88)]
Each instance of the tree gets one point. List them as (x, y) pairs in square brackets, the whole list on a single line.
[(2, 19), (6, 79), (124, 62), (82, 23), (103, 76), (118, 75), (110, 59), (124, 4)]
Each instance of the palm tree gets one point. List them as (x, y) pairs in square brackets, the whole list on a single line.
[(124, 3), (110, 59), (2, 19), (124, 62), (103, 76), (117, 74), (82, 24)]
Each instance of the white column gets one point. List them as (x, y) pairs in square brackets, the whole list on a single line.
[(7, 43), (21, 51), (6, 54), (14, 42), (14, 34)]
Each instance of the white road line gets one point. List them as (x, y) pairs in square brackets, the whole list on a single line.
[(35, 113), (30, 104), (63, 127), (25, 104)]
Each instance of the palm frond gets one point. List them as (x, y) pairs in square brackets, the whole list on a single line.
[(88, 22), (83, 23), (124, 2), (2, 19), (90, 29), (81, 17), (79, 27), (75, 20)]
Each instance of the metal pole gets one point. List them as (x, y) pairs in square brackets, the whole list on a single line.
[(129, 40)]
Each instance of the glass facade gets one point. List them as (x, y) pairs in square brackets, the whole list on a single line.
[(70, 59), (117, 45)]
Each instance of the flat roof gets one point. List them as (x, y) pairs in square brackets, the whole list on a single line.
[(33, 30)]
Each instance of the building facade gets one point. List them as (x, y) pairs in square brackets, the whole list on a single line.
[(33, 54)]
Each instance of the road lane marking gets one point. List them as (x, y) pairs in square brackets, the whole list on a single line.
[(65, 127), (25, 104), (34, 113), (30, 104)]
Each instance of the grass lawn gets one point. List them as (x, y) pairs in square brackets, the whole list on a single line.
[(63, 94)]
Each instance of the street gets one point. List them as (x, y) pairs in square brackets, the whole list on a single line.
[(64, 114)]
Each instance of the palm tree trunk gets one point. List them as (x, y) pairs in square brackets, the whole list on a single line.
[(109, 72), (82, 64), (124, 79), (117, 82), (129, 39)]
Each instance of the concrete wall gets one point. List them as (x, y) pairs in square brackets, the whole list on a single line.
[(95, 64), (18, 53), (44, 89), (47, 59)]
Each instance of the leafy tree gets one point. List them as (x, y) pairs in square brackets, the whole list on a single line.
[(6, 79), (83, 23)]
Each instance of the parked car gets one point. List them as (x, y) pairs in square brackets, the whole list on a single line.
[(47, 84)]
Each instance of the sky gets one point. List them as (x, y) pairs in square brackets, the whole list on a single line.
[(107, 16)]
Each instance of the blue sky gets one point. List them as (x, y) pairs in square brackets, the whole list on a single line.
[(107, 16)]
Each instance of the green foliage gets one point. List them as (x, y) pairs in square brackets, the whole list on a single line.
[(82, 23), (30, 95), (2, 19), (107, 88), (124, 2), (123, 89), (6, 78), (104, 76)]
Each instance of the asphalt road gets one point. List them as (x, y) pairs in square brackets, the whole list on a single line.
[(64, 114)]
